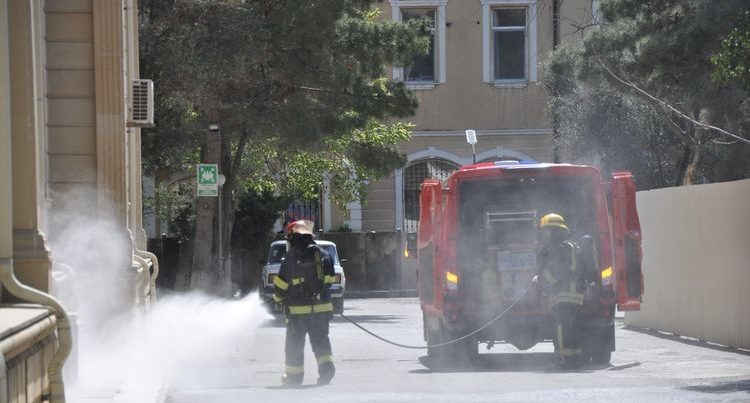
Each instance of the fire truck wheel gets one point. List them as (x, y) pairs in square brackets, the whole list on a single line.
[(460, 353), (599, 343), (467, 350), (437, 355), (601, 356)]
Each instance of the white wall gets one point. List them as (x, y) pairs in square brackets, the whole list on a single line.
[(696, 262)]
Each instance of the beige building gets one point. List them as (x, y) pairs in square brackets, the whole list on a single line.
[(482, 74), (70, 191)]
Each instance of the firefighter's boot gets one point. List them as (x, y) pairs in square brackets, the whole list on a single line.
[(326, 371), (291, 379)]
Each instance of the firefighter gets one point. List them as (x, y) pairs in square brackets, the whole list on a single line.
[(302, 288), (561, 280)]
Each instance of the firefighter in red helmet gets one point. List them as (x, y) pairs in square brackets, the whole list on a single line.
[(302, 287), (561, 281)]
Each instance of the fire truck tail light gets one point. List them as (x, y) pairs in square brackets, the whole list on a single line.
[(607, 276), (452, 281)]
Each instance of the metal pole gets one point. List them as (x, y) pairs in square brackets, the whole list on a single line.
[(473, 154), (221, 233)]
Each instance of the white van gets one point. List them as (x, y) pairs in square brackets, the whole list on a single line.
[(273, 264)]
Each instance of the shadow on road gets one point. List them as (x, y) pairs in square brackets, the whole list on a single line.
[(368, 318), (724, 387), (283, 387), (510, 362), (279, 320)]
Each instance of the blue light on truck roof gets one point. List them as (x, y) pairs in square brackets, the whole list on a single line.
[(506, 163)]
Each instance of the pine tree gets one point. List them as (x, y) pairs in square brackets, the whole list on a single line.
[(297, 87), (662, 48)]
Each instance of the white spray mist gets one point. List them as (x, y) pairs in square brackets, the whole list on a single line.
[(117, 342), (179, 334)]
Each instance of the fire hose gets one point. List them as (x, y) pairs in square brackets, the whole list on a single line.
[(466, 336)]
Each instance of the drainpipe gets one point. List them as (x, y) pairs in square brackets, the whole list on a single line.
[(3, 381), (140, 258), (26, 293), (7, 278)]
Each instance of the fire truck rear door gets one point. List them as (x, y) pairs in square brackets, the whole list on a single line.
[(429, 226), (626, 242)]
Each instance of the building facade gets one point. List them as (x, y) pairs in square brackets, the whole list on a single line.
[(482, 74), (70, 211)]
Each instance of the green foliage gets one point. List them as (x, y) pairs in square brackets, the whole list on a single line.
[(663, 47), (174, 204), (255, 214), (285, 74), (347, 162), (295, 85), (733, 60)]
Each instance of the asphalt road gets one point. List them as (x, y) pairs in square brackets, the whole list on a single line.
[(647, 367)]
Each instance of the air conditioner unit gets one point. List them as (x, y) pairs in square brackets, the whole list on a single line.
[(141, 108)]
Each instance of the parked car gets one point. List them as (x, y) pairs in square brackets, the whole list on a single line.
[(273, 263)]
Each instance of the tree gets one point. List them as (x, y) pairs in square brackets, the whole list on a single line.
[(647, 73), (296, 88)]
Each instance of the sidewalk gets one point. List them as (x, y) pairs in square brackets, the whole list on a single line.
[(155, 392)]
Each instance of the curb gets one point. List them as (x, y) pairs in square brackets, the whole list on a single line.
[(348, 294)]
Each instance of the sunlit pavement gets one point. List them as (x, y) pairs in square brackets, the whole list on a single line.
[(648, 366), (126, 392), (228, 351)]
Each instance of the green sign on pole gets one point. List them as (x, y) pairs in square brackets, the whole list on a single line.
[(208, 180)]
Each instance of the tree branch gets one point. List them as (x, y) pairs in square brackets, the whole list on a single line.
[(669, 107), (681, 131)]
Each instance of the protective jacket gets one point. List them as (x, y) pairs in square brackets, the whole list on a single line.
[(304, 280), (560, 273)]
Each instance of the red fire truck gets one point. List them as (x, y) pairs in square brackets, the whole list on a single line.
[(477, 245)]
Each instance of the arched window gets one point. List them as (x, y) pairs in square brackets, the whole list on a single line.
[(414, 175)]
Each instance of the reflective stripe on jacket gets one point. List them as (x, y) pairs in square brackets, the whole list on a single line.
[(304, 280)]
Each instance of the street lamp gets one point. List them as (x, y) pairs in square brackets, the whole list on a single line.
[(471, 138)]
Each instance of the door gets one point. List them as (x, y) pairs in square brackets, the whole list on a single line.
[(626, 235), (429, 224)]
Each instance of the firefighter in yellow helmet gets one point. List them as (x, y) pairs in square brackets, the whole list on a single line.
[(302, 287), (561, 282)]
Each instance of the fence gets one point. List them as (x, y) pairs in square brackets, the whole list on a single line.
[(373, 261), (696, 262)]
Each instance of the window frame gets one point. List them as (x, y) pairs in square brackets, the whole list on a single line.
[(488, 49), (439, 41)]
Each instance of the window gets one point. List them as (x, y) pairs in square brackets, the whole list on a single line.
[(422, 67), (426, 70), (509, 41)]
